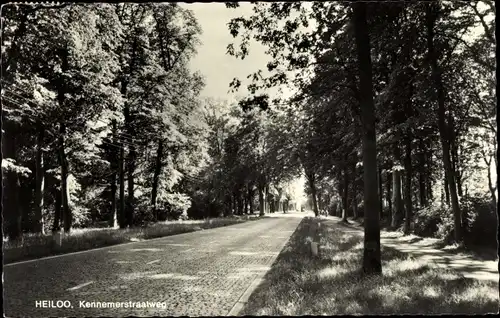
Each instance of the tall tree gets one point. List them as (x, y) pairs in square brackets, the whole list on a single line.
[(371, 255)]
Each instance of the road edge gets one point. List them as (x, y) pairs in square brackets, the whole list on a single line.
[(259, 278), (113, 245)]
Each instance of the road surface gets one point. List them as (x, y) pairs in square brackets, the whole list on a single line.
[(199, 273)]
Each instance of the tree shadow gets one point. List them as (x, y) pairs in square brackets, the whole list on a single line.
[(414, 240), (334, 283)]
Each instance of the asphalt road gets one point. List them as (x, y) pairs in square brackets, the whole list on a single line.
[(199, 273)]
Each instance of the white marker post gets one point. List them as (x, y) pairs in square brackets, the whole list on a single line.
[(314, 239), (314, 248), (57, 236)]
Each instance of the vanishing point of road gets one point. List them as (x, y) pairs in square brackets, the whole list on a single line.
[(199, 273)]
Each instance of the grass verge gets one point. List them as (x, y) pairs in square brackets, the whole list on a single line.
[(333, 284), (36, 246)]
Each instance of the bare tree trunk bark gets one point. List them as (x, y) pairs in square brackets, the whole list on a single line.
[(240, 202), (354, 195), (429, 183), (314, 200), (122, 222), (156, 178), (250, 199), (388, 184), (11, 186), (490, 182), (312, 185), (345, 196), (380, 190), (371, 255), (266, 201), (39, 185), (456, 165), (408, 185), (113, 221), (421, 175), (56, 226), (446, 189), (13, 225), (261, 200), (397, 204), (66, 212), (245, 203), (129, 205)]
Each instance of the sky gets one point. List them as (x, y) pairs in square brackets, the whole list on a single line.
[(219, 68)]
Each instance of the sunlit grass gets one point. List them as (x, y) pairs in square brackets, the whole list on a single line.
[(333, 284), (34, 246)]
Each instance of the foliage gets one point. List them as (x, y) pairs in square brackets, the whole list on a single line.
[(479, 221), (175, 205), (312, 49), (91, 80)]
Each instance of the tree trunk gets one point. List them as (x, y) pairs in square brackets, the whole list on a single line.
[(458, 171), (345, 195), (113, 221), (312, 186), (156, 178), (129, 209), (39, 182), (490, 182), (446, 190), (380, 191), (396, 198), (354, 200), (422, 175), (234, 207), (56, 226), (431, 17), (460, 184), (371, 255), (388, 183), (229, 205), (428, 161), (11, 205), (240, 203), (12, 225), (408, 187), (266, 202), (245, 202), (250, 199), (261, 200), (314, 201), (66, 211), (122, 222), (422, 191), (239, 207), (397, 212), (455, 160)]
